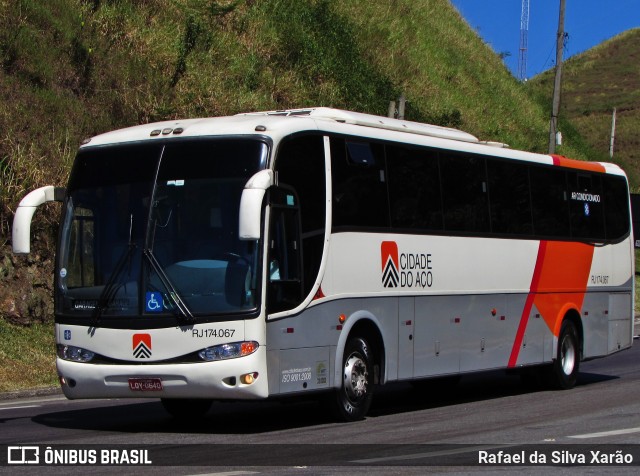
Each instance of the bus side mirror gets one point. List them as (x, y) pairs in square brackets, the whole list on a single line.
[(21, 230), (251, 204)]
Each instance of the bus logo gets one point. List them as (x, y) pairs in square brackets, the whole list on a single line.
[(389, 254), (407, 269), (142, 346), (23, 455)]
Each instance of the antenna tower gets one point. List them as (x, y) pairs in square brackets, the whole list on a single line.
[(524, 32)]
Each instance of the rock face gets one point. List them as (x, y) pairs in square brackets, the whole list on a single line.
[(26, 282)]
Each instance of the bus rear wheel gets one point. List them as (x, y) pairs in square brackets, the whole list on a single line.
[(354, 397), (563, 373), (186, 407)]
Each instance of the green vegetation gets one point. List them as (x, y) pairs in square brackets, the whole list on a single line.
[(75, 68), (595, 82), (27, 356)]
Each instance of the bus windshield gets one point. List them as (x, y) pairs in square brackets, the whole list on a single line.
[(151, 229)]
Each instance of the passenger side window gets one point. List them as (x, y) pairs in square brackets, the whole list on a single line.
[(359, 184), (616, 206), (550, 202), (585, 205), (509, 197), (464, 188), (414, 189)]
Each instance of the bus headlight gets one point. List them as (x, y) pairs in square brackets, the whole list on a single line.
[(74, 354), (228, 351)]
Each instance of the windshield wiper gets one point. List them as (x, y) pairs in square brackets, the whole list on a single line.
[(111, 287), (152, 222), (169, 286)]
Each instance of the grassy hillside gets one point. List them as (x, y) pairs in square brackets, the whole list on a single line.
[(74, 68), (595, 82)]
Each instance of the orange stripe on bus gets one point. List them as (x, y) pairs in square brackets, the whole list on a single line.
[(577, 164), (559, 284), (565, 270), (526, 312)]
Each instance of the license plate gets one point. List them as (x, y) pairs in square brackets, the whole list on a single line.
[(145, 384)]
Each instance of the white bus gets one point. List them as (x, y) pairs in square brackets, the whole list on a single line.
[(307, 251)]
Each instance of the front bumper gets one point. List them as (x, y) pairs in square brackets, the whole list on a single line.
[(218, 380)]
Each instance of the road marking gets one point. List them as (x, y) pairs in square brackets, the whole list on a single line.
[(17, 408), (33, 400), (626, 431)]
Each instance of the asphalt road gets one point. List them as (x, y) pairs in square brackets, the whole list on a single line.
[(409, 431)]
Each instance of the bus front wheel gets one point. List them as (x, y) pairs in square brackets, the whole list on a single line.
[(354, 397), (563, 373)]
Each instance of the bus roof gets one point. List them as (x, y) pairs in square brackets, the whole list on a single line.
[(280, 123), (376, 122)]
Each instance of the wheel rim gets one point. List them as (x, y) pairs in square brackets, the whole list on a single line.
[(355, 378), (568, 355)]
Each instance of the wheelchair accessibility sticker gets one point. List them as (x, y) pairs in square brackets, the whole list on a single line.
[(153, 301)]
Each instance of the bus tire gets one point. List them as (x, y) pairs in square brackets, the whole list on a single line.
[(563, 372), (187, 408), (354, 397)]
